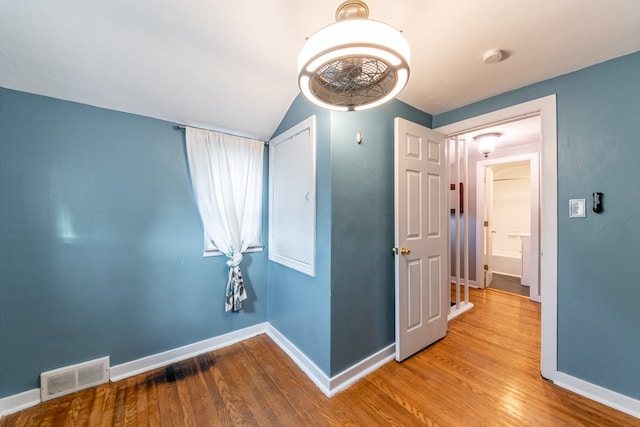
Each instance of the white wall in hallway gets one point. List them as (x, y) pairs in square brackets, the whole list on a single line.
[(511, 207)]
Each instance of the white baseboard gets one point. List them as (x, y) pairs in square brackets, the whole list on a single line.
[(145, 364), (18, 402), (456, 311), (602, 395), (361, 369), (329, 386), (315, 374), (339, 382)]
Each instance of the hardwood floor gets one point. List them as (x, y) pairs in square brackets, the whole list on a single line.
[(485, 372)]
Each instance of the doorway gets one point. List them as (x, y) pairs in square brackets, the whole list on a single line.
[(498, 246), (508, 193), (546, 109)]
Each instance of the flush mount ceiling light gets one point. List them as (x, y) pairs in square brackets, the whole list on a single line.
[(355, 63), (487, 142)]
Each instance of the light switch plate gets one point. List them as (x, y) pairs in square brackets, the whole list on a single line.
[(577, 208)]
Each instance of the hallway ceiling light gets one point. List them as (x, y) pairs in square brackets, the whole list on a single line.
[(487, 142), (355, 63)]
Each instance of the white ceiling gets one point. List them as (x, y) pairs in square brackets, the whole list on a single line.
[(231, 65)]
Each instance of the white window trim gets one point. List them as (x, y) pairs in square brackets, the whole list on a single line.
[(215, 252)]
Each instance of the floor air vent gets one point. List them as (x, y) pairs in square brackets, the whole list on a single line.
[(73, 378)]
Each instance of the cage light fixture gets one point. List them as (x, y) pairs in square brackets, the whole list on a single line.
[(354, 63), (487, 142)]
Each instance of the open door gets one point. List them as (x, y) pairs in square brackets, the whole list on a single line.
[(488, 227), (421, 237)]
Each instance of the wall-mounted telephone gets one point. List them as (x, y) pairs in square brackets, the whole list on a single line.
[(597, 202)]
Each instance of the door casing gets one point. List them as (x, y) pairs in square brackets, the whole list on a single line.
[(546, 108), (535, 294)]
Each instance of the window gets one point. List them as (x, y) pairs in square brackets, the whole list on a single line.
[(226, 174)]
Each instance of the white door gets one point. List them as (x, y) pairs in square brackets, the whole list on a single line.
[(421, 233), (488, 227)]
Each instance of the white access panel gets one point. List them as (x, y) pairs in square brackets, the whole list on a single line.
[(292, 197)]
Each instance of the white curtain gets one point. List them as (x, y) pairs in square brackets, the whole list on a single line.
[(226, 173)]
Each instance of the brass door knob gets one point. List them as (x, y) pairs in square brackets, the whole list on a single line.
[(403, 251)]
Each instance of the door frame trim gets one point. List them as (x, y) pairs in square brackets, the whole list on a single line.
[(534, 194), (546, 108)]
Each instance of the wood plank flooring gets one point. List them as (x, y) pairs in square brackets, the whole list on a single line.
[(485, 372)]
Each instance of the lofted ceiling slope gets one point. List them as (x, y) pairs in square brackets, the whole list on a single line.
[(231, 65)]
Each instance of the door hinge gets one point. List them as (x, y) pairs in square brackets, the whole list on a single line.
[(486, 223), (486, 267)]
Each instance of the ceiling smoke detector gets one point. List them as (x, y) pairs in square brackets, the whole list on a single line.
[(492, 56), (355, 63)]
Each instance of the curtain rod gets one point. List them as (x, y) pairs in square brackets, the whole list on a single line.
[(183, 127)]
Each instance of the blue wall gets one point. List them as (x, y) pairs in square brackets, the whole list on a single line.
[(362, 217), (300, 305), (347, 311), (598, 150), (101, 242)]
